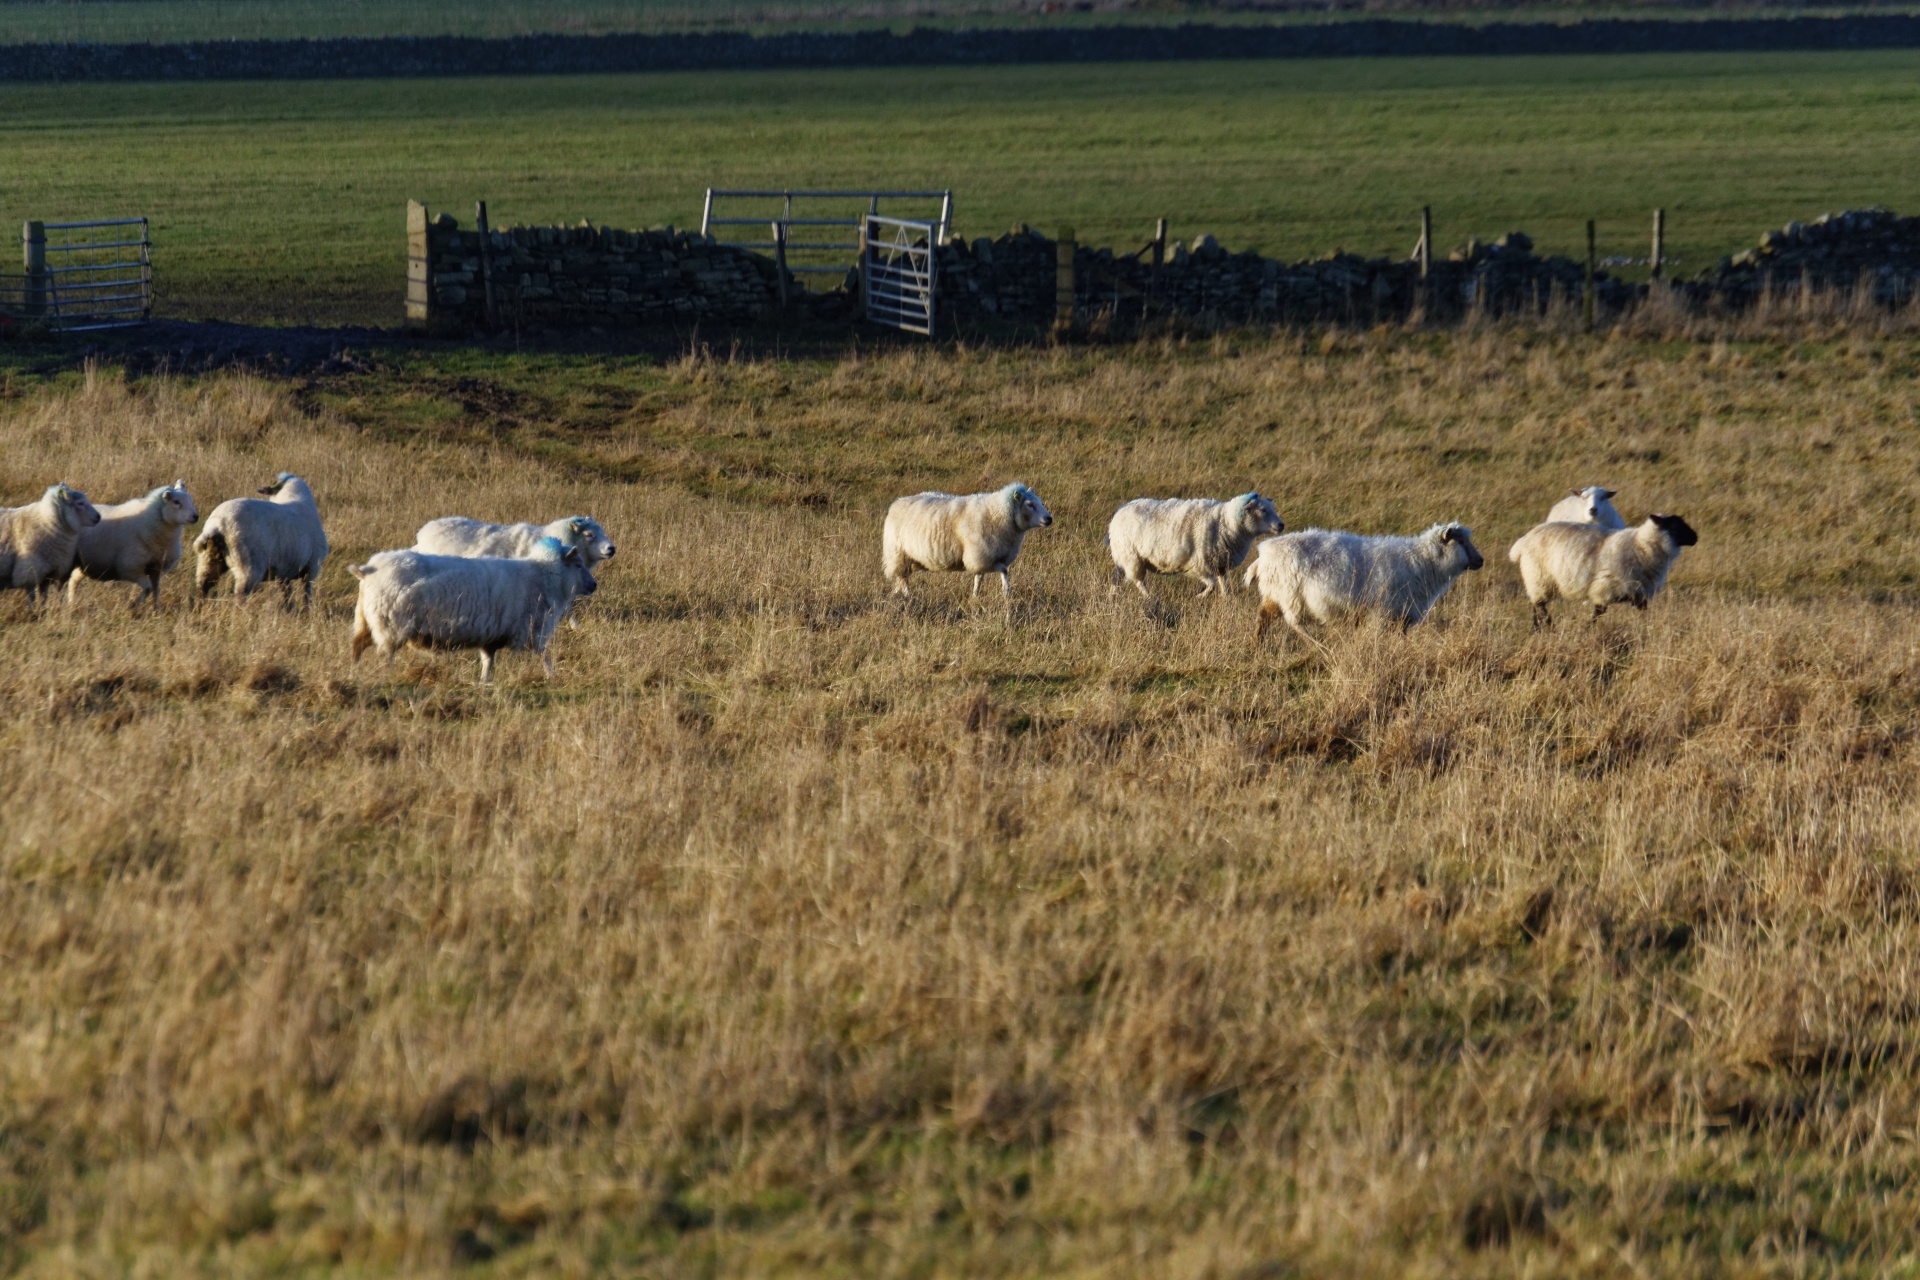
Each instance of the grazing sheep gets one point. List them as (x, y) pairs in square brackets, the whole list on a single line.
[(487, 603), (1587, 506), (276, 539), (1187, 535), (1584, 562), (135, 542), (37, 540), (979, 533), (1323, 575)]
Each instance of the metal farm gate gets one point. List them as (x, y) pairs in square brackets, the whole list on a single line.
[(80, 276), (823, 237), (897, 272)]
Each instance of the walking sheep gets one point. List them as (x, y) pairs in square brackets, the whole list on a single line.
[(487, 603), (1583, 562), (1321, 575), (459, 536), (979, 533), (1187, 535), (135, 541), (275, 539), (37, 540), (1587, 506)]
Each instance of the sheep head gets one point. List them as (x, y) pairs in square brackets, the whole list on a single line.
[(1462, 537), (176, 504), (1258, 516), (1027, 509), (72, 507), (1674, 527)]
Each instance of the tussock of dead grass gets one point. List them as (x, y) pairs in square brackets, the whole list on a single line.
[(791, 930)]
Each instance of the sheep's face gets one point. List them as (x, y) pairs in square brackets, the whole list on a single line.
[(591, 538), (1461, 539), (1674, 527), (1598, 509), (279, 483), (176, 505), (576, 562), (1029, 512), (75, 511), (1259, 517)]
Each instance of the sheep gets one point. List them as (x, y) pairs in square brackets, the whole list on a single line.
[(979, 533), (459, 536), (135, 541), (1587, 506), (276, 539), (1187, 535), (1585, 562), (1322, 574), (487, 603), (37, 541)]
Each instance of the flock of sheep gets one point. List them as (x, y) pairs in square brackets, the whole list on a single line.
[(466, 584), (1583, 551)]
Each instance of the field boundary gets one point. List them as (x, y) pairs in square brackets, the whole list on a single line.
[(423, 56)]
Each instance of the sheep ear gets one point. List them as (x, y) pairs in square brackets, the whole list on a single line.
[(1576, 493), (1606, 493)]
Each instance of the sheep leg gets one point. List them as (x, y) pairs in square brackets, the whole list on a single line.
[(1268, 612), (153, 589), (1206, 587), (1597, 611), (1006, 586), (1301, 632), (1542, 616), (1140, 583), (307, 580), (73, 581), (976, 584), (486, 666)]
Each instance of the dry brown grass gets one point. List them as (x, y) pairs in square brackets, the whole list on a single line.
[(788, 932)]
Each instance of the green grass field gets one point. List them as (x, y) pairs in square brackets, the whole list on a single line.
[(32, 21), (285, 201)]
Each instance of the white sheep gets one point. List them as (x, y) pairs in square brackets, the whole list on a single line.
[(135, 541), (459, 536), (979, 533), (1321, 574), (1200, 536), (37, 540), (487, 603), (1601, 567), (1587, 506), (275, 539)]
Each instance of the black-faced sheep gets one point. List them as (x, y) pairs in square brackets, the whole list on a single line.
[(278, 538), (979, 533), (1585, 562), (135, 541), (1199, 536)]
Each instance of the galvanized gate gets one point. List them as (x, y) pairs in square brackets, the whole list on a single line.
[(79, 276), (897, 272), (822, 238)]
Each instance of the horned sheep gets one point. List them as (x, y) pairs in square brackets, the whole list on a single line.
[(37, 541), (1587, 506), (1584, 562), (278, 538), (979, 533), (487, 603), (1198, 536), (1322, 575), (135, 542)]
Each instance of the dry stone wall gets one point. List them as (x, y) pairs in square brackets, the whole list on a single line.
[(585, 276), (1873, 250), (1014, 278)]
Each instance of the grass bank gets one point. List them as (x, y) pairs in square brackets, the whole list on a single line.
[(788, 931)]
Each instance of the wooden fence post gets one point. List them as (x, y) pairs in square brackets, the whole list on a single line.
[(1659, 243), (33, 246), (1063, 282), (419, 268), (486, 262), (1590, 270), (780, 261), (1423, 251)]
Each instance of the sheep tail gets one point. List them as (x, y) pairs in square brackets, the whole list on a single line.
[(212, 546)]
